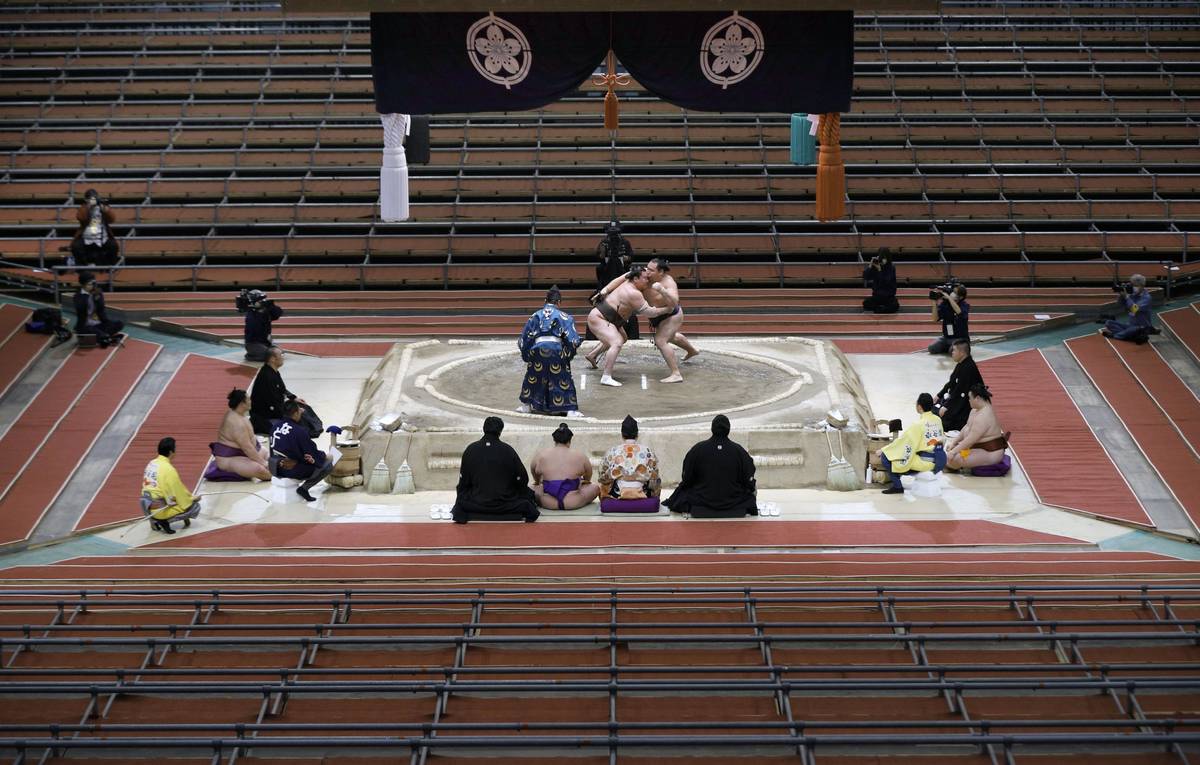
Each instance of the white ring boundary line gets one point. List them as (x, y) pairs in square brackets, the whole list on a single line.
[(1132, 437), (795, 387)]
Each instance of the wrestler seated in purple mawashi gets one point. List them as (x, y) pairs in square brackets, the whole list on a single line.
[(569, 488), (236, 451)]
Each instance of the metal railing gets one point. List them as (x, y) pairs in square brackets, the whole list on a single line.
[(649, 637)]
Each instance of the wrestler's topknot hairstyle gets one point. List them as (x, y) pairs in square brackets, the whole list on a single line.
[(925, 401), (291, 406), (979, 390), (664, 265), (563, 434), (554, 294), (236, 397), (629, 427)]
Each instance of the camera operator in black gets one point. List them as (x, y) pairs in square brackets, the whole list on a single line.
[(260, 312), (615, 257), (93, 243), (950, 309), (880, 276)]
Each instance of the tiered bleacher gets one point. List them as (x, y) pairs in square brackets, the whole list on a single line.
[(1015, 143)]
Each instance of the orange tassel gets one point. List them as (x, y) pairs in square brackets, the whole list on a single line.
[(831, 173), (610, 110)]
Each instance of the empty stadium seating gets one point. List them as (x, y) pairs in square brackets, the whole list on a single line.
[(1024, 143)]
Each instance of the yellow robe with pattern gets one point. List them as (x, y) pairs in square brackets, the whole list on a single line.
[(921, 436), (161, 481)]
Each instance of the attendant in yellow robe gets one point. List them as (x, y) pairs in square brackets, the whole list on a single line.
[(164, 497), (918, 449)]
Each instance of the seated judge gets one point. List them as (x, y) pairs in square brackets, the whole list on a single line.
[(918, 449), (270, 395), (492, 482), (561, 475), (294, 454), (718, 478), (629, 478), (236, 450), (951, 403), (982, 441)]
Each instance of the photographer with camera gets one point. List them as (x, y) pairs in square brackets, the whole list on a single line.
[(93, 243), (260, 312), (1135, 299), (950, 309), (614, 256), (880, 276)]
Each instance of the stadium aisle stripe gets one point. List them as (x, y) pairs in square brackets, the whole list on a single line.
[(1185, 324), (18, 348), (1165, 449), (189, 409), (34, 491), (1170, 393), (44, 412), (1065, 463)]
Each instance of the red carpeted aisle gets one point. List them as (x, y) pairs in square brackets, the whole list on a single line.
[(18, 348), (1047, 567), (189, 409), (42, 414), (1171, 394), (607, 532), (1058, 450), (881, 345), (343, 349), (1185, 324), (1167, 451), (36, 488)]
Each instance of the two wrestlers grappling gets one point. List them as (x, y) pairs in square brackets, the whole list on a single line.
[(651, 292)]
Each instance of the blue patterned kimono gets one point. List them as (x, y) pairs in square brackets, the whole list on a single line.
[(548, 343)]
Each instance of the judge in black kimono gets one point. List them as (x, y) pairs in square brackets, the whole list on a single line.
[(718, 478), (492, 482), (271, 396), (952, 403)]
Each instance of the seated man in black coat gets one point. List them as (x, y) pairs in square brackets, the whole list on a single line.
[(718, 478), (951, 402), (270, 395), (492, 481), (91, 318)]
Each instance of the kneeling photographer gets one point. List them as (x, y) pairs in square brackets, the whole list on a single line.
[(1136, 326), (880, 277), (950, 309), (260, 312)]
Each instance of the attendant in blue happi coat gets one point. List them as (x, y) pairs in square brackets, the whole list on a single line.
[(548, 343)]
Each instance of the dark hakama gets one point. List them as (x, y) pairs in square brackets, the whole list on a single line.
[(492, 482), (718, 481)]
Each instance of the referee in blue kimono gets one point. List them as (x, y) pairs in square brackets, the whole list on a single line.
[(548, 343)]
